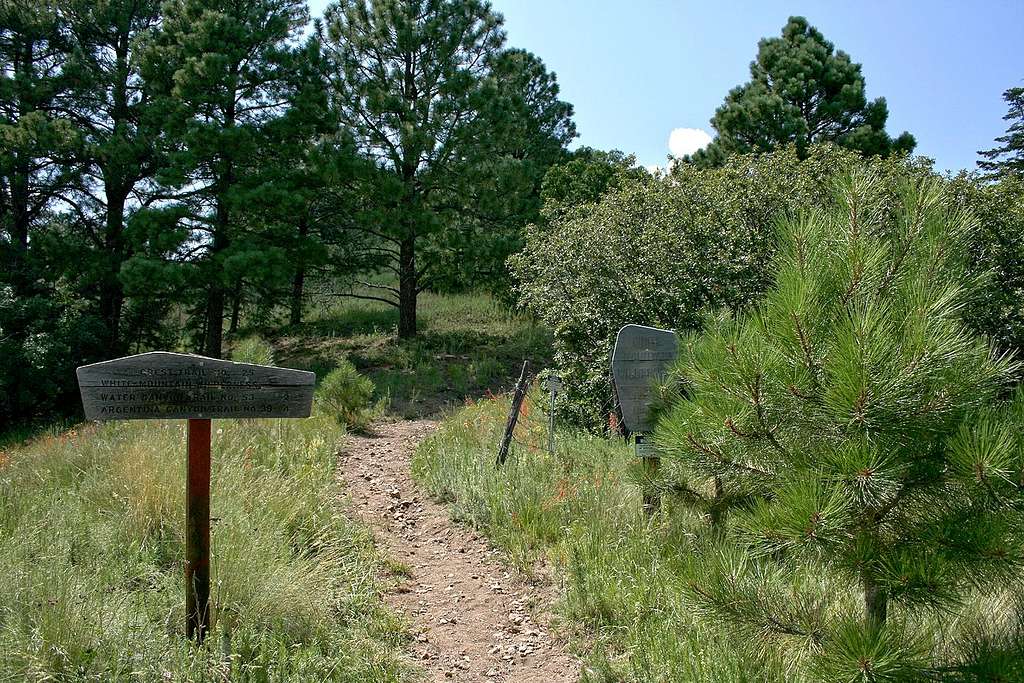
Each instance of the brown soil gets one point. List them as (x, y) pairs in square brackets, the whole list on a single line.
[(474, 618)]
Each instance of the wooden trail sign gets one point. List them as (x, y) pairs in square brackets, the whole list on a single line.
[(641, 357), (178, 385), (163, 385)]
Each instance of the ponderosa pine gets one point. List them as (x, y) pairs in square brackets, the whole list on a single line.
[(801, 91), (853, 447), (1008, 157), (113, 111), (222, 71)]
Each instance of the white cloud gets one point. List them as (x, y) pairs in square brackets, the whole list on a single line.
[(683, 141), (654, 169)]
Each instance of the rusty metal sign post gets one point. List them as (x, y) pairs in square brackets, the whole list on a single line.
[(163, 385), (641, 358)]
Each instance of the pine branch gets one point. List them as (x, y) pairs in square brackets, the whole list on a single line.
[(722, 458)]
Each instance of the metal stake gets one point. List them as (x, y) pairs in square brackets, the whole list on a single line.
[(553, 383), (649, 461), (197, 531)]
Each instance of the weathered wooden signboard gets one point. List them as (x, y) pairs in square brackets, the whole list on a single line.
[(163, 385), (177, 385), (641, 357)]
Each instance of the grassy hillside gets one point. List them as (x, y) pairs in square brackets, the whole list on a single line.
[(467, 344), (91, 549)]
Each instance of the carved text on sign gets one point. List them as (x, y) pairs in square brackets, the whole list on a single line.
[(175, 385), (641, 357)]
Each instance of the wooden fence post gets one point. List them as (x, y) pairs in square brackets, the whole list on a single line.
[(649, 462), (513, 416)]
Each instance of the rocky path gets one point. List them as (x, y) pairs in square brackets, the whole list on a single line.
[(474, 619)]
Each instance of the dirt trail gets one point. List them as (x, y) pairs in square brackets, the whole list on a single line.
[(474, 618)]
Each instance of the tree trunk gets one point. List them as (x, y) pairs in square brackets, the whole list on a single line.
[(214, 320), (116, 187), (21, 279), (295, 318), (111, 290), (407, 289), (298, 282), (215, 293), (236, 307), (876, 602)]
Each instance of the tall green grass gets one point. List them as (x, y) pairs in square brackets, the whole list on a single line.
[(624, 577), (579, 509), (91, 551)]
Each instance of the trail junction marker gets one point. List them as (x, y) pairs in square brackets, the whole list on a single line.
[(163, 385), (641, 358)]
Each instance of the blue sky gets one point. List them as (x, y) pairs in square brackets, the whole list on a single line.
[(635, 71)]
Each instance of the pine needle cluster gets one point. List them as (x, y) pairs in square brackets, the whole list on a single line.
[(858, 452)]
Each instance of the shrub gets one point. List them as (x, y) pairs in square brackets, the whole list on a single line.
[(42, 341), (849, 442), (345, 395), (254, 350), (998, 308), (658, 253), (662, 252)]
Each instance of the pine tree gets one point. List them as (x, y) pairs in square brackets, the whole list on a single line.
[(410, 75), (222, 70), (112, 110), (851, 445), (38, 147), (1009, 156), (39, 167), (304, 161), (523, 130), (801, 91)]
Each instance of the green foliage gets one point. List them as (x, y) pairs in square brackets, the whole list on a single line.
[(657, 252), (1008, 157), (115, 114), (43, 338), (459, 129), (801, 91), (254, 350), (345, 395), (522, 130), (997, 308), (585, 179), (222, 74), (38, 163), (850, 441), (91, 540)]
